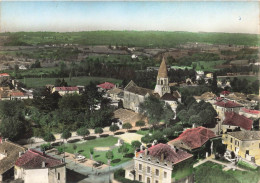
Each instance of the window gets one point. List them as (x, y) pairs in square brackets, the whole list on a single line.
[(156, 181), (140, 178), (148, 180), (148, 169), (140, 166), (231, 140), (58, 176), (247, 152), (157, 172), (165, 175)]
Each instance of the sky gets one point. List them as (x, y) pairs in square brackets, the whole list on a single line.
[(68, 16)]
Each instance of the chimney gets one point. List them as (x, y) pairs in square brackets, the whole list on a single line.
[(145, 151), (43, 164), (162, 157)]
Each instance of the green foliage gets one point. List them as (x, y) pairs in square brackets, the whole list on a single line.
[(195, 119), (49, 137), (156, 110), (123, 149), (140, 123), (147, 139), (66, 134), (127, 126), (119, 175), (98, 130), (113, 128), (136, 144), (159, 136), (109, 155), (83, 131), (60, 150), (91, 150), (45, 147)]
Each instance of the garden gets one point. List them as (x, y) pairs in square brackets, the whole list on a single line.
[(86, 148)]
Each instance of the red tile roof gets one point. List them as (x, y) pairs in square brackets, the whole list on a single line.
[(234, 119), (74, 88), (33, 159), (4, 74), (193, 138), (169, 153), (106, 85), (228, 104), (17, 94), (225, 92), (250, 111)]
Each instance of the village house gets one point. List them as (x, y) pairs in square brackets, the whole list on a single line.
[(9, 153), (244, 144), (106, 86), (234, 121), (222, 106), (155, 164), (37, 167), (193, 139), (4, 77), (65, 90), (254, 114), (22, 67), (207, 97), (5, 93)]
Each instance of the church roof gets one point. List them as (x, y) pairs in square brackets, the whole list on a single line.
[(162, 73), (133, 88), (169, 96)]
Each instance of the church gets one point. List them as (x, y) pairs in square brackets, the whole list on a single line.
[(134, 95)]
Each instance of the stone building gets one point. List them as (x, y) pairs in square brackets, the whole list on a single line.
[(134, 95), (9, 153), (37, 167), (244, 144), (155, 164)]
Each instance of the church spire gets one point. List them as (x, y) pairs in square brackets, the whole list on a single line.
[(162, 73)]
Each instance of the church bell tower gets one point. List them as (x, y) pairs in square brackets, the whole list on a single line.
[(162, 82)]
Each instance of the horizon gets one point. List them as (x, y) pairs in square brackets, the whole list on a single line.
[(53, 16)]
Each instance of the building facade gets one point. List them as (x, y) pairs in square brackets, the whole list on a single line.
[(244, 144)]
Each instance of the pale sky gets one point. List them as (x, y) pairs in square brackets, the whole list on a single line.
[(67, 16)]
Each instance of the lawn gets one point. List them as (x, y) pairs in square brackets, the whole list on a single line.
[(84, 149), (207, 65), (82, 80), (143, 132), (182, 172), (211, 172)]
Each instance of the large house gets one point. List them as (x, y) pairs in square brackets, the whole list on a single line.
[(9, 153), (155, 164), (65, 90), (207, 97), (244, 144), (134, 95), (193, 139), (234, 121), (4, 77), (37, 167)]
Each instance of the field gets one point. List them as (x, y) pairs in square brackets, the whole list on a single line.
[(128, 38), (84, 80), (207, 65), (84, 149)]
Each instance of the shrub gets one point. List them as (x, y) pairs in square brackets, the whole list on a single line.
[(109, 155), (66, 134), (146, 139), (83, 131), (45, 147), (127, 126), (140, 123), (113, 128), (98, 130), (60, 150), (119, 175), (136, 144), (49, 137)]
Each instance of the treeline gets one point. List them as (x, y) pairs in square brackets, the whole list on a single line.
[(133, 38)]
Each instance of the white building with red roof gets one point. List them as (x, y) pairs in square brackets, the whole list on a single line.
[(66, 90), (250, 113), (156, 163), (37, 167), (106, 86), (192, 139)]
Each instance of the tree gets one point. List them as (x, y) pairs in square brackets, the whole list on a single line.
[(183, 116), (109, 155), (127, 126), (75, 147), (214, 85), (91, 152), (146, 139), (140, 123), (113, 128), (49, 137), (83, 131), (159, 136), (123, 149), (168, 114), (98, 130), (66, 134), (195, 119), (12, 128), (136, 144)]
